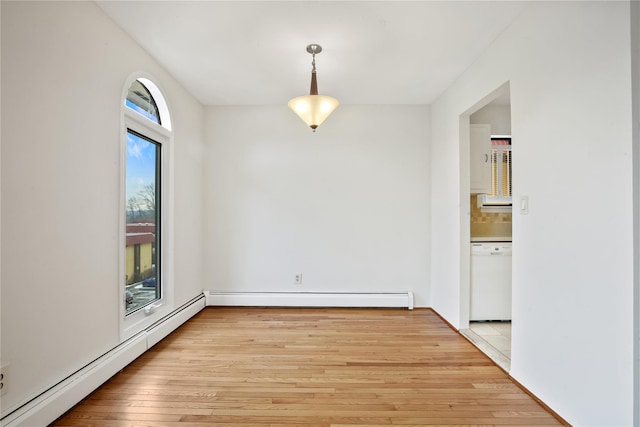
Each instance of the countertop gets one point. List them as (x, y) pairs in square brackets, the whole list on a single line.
[(491, 239)]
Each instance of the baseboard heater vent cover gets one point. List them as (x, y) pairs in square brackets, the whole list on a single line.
[(310, 299), (52, 403)]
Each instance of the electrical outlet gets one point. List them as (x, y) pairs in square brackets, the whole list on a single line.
[(4, 379), (297, 279)]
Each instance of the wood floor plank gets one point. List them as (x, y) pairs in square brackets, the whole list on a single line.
[(310, 367)]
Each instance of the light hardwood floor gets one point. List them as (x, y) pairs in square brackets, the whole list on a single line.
[(310, 367)]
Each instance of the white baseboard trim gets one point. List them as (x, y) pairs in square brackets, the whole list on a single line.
[(310, 299), (47, 407)]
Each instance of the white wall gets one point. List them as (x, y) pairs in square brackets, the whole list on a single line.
[(569, 70), (635, 76), (348, 206), (496, 115), (64, 66)]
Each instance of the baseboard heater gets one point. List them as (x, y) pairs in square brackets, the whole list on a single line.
[(52, 403), (310, 299)]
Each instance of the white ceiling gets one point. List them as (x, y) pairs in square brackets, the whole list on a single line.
[(374, 52)]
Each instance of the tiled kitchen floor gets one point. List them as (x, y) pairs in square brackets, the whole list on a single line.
[(494, 339)]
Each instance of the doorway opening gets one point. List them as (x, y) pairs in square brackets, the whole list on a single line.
[(486, 230)]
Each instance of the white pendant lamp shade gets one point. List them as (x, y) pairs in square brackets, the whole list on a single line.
[(313, 109)]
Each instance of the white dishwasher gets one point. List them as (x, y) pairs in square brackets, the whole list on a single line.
[(490, 281)]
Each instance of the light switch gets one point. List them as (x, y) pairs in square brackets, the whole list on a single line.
[(524, 205)]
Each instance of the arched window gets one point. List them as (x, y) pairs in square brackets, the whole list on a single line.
[(147, 128), (140, 100)]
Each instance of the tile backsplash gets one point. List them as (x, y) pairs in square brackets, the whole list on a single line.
[(489, 224)]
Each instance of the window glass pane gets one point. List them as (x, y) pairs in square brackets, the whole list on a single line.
[(494, 173), (140, 100), (143, 218)]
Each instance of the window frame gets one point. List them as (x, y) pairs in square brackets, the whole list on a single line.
[(496, 157), (136, 321), (158, 243)]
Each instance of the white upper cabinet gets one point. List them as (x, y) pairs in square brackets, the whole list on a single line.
[(480, 158)]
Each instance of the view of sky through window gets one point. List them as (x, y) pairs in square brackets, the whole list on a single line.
[(141, 164), (142, 111)]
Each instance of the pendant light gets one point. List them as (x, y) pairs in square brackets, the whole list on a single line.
[(313, 108)]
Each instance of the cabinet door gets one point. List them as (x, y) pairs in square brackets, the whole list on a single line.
[(480, 158)]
